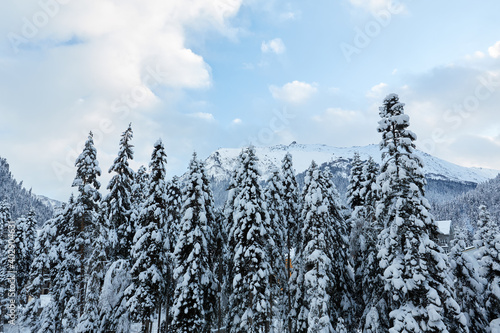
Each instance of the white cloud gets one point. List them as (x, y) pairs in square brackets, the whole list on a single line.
[(375, 6), (289, 16), (494, 51), (377, 91), (97, 65), (452, 111), (338, 115), (475, 55), (293, 92), (273, 46), (237, 121), (203, 115)]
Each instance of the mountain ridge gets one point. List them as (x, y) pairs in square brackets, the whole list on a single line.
[(221, 161)]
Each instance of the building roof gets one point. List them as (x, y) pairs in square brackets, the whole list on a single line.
[(444, 227)]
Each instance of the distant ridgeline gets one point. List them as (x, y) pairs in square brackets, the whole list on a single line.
[(439, 192), (20, 199)]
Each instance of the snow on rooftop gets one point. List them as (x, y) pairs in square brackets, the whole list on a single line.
[(444, 227)]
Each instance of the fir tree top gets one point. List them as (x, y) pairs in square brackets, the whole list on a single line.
[(87, 167)]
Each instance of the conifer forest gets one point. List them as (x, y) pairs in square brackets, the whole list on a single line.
[(151, 253)]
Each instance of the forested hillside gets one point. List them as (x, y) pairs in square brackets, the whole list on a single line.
[(21, 200), (462, 210)]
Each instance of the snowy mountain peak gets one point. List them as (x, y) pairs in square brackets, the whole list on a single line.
[(220, 163)]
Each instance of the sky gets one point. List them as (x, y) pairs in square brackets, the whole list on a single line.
[(203, 75)]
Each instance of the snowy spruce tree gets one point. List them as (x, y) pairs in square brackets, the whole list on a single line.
[(25, 242), (42, 269), (368, 272), (363, 242), (85, 216), (487, 242), (62, 312), (248, 309), (139, 191), (469, 286), (172, 228), (174, 202), (227, 233), (148, 252), (118, 208), (72, 246), (417, 288), (354, 198), (274, 194), (356, 202), (90, 319), (196, 288), (322, 277), (5, 219), (291, 225)]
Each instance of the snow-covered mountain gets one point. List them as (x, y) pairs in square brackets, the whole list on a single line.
[(220, 163)]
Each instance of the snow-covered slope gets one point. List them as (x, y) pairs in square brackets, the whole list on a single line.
[(220, 163), (48, 201)]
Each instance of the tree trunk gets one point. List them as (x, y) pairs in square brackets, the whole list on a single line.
[(219, 310), (81, 296), (147, 326), (289, 272), (159, 319)]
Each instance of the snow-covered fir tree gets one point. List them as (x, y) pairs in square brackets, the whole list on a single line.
[(118, 208), (315, 257), (363, 247), (274, 194), (322, 276), (356, 202), (85, 215), (90, 319), (5, 220), (354, 198), (172, 228), (218, 267), (61, 314), (369, 190), (292, 227), (72, 246), (174, 201), (469, 286), (417, 288), (195, 291), (42, 270), (342, 270), (227, 234), (139, 190), (148, 252), (487, 242), (25, 242), (249, 301)]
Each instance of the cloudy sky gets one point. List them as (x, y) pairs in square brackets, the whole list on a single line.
[(223, 73)]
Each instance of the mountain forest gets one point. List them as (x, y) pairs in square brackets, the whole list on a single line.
[(292, 254)]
